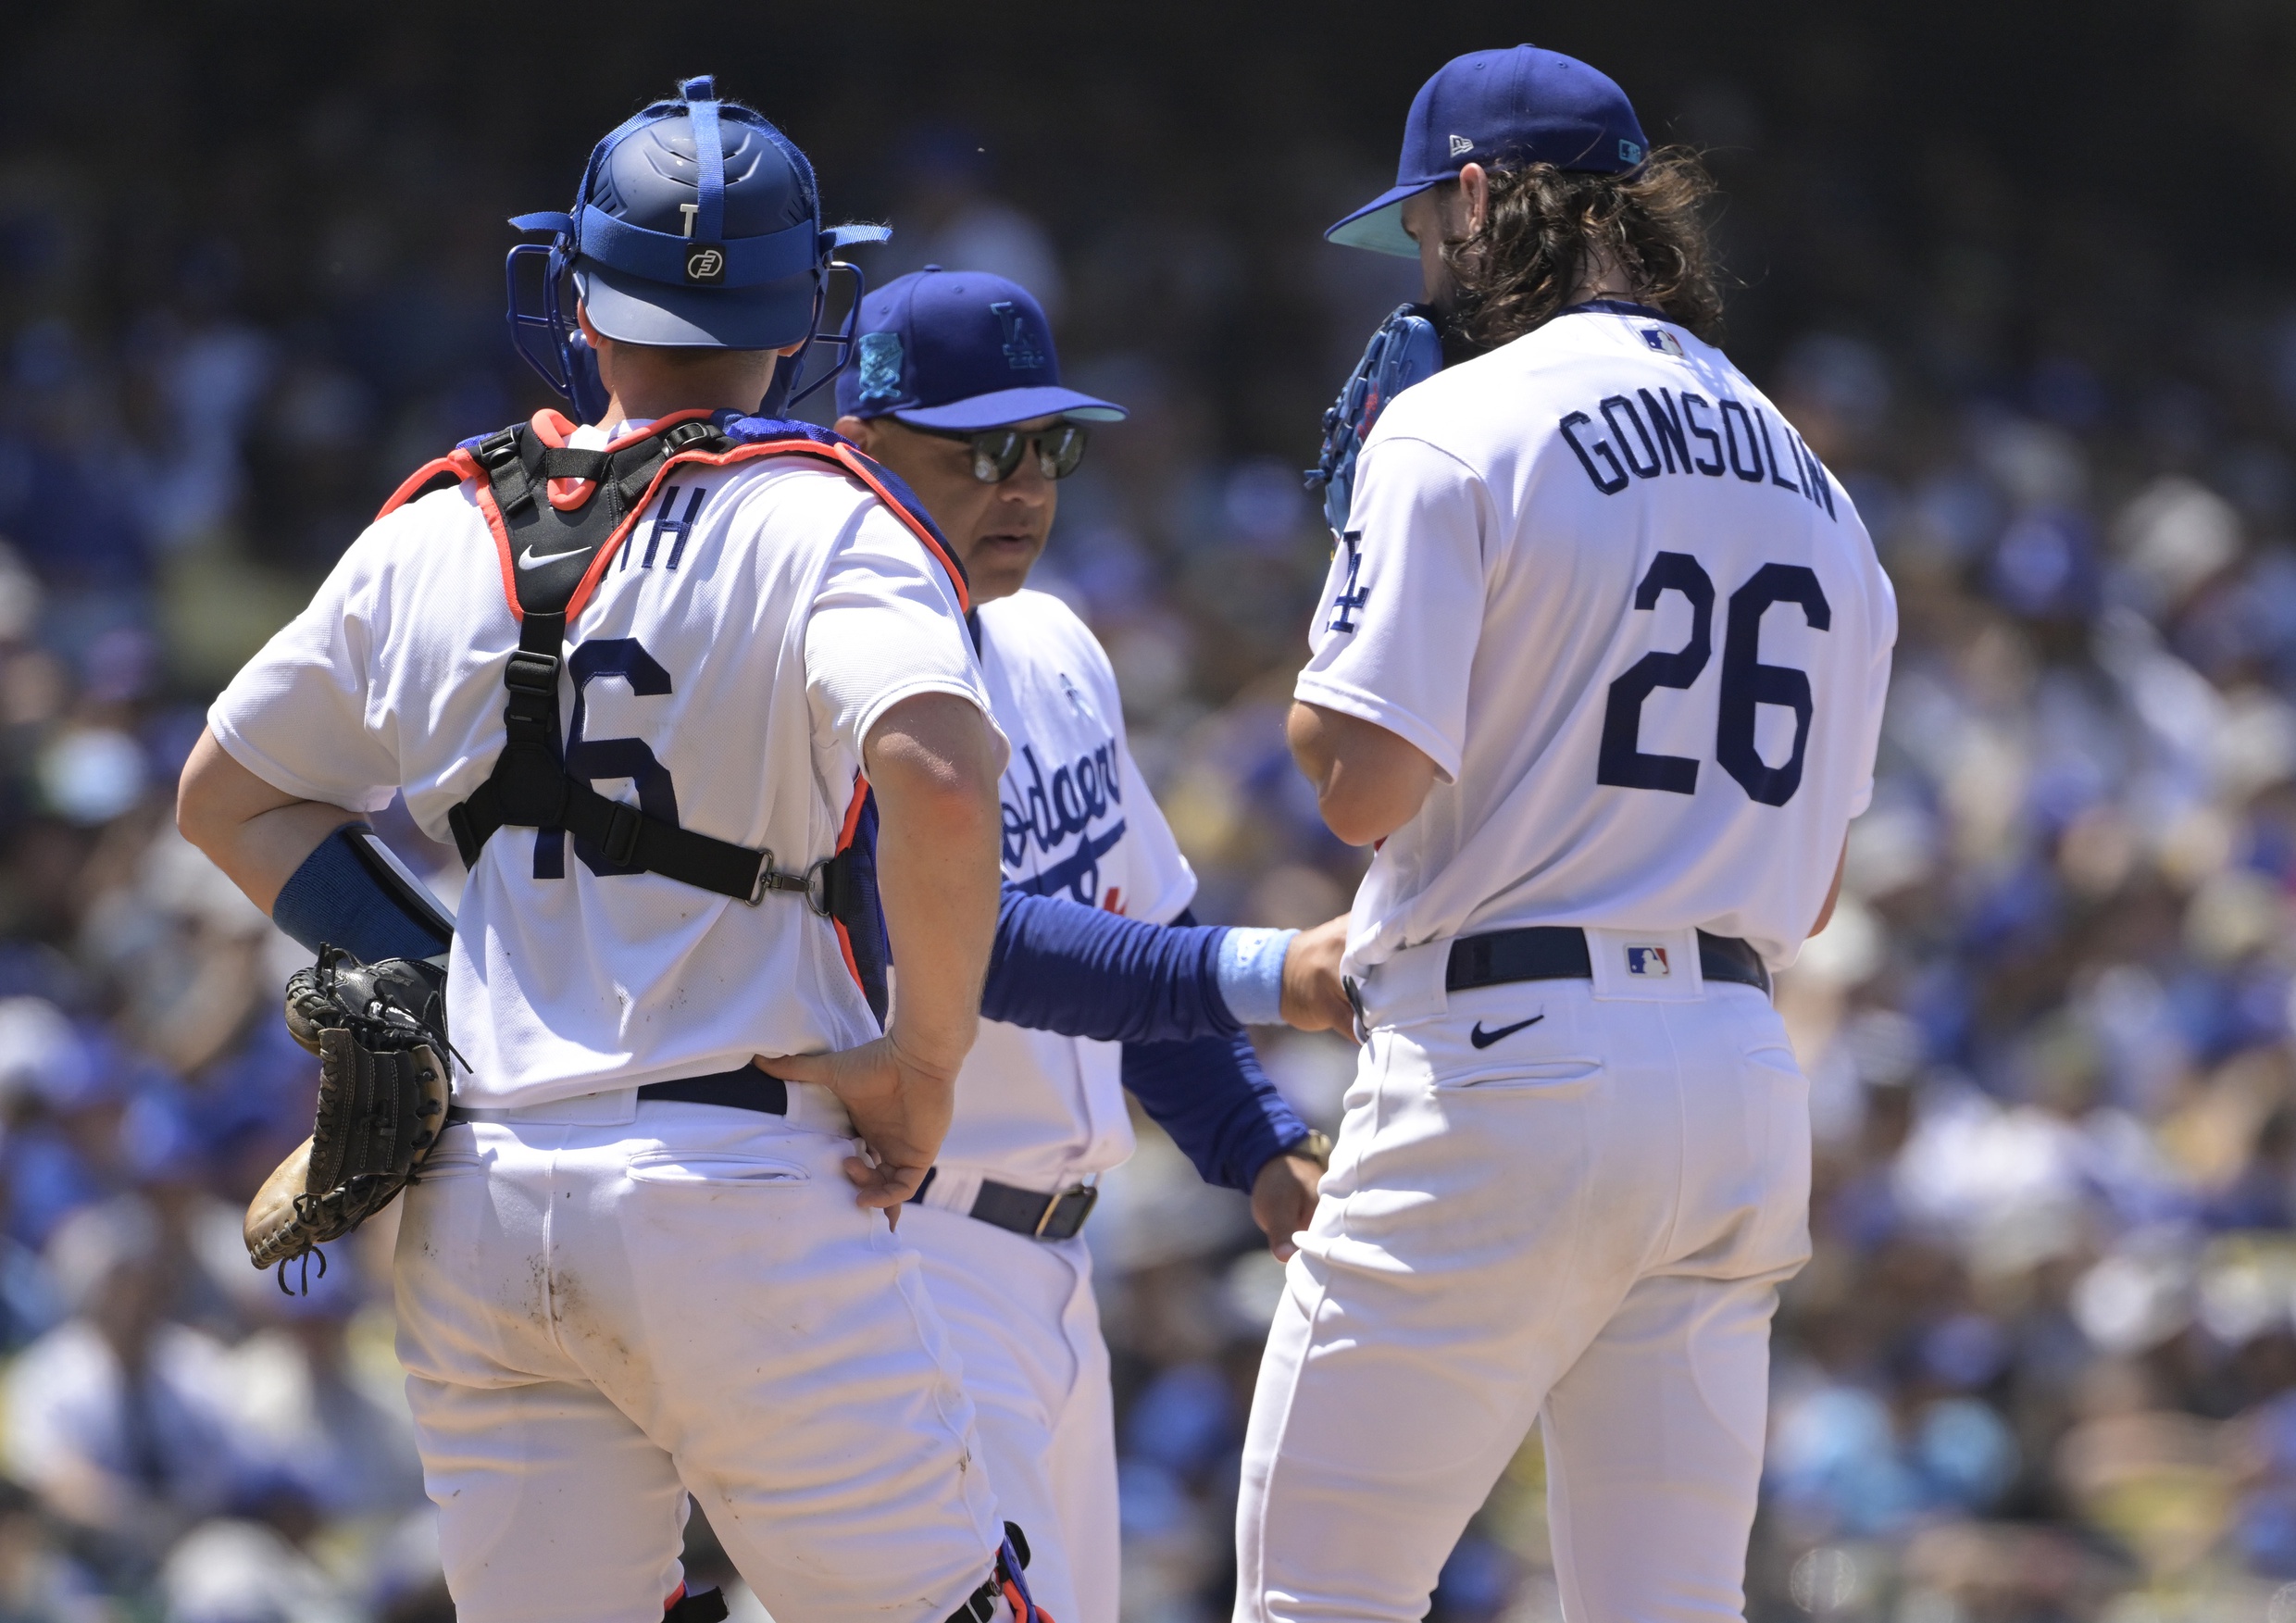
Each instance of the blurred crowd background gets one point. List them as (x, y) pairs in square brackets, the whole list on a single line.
[(2019, 272)]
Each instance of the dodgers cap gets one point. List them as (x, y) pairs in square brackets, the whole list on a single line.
[(959, 349), (1502, 109)]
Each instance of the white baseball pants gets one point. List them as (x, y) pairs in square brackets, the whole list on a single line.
[(1581, 1223), (604, 1306), (1021, 1315)]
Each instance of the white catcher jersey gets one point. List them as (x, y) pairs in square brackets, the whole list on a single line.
[(756, 622), (1034, 1108), (1637, 627)]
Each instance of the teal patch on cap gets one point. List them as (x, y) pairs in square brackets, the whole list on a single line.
[(1628, 151), (880, 367)]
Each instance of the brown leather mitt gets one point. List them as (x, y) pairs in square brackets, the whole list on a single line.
[(380, 1032)]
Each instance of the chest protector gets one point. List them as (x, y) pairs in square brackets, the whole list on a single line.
[(558, 515)]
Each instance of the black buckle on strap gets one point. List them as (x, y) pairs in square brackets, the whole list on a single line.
[(533, 673), (505, 471), (624, 824), (496, 450), (678, 436)]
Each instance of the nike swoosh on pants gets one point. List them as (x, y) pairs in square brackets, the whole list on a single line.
[(1482, 1039)]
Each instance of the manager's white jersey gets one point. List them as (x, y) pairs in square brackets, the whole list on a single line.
[(1636, 627), (756, 622), (1034, 1108)]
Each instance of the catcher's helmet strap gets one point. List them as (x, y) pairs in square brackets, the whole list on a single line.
[(558, 514)]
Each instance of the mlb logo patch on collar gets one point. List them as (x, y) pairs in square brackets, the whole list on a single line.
[(1648, 961), (1663, 341)]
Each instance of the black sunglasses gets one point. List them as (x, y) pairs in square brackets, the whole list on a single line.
[(997, 452)]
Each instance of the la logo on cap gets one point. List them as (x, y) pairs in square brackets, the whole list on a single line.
[(1021, 353)]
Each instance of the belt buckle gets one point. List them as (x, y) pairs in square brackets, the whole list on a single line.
[(1088, 1192)]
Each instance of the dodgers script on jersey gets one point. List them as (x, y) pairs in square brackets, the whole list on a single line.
[(1598, 579), (817, 610), (1036, 1109)]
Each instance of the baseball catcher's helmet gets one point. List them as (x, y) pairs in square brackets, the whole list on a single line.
[(697, 225)]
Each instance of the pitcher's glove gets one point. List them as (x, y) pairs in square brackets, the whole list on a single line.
[(1407, 349), (380, 1032)]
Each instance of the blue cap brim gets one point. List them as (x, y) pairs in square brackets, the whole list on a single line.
[(1379, 224), (1010, 405), (638, 311)]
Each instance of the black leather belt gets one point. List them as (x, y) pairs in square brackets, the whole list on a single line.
[(746, 1089), (1023, 1211), (1559, 952)]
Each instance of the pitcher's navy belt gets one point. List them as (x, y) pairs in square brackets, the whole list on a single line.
[(1023, 1211), (744, 1089), (1549, 952)]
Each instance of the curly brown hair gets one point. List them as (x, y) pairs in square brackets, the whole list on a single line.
[(1547, 228)]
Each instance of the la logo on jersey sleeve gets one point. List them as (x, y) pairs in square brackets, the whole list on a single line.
[(1352, 595)]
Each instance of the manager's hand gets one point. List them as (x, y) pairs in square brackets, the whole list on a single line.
[(1314, 999), (1283, 1201)]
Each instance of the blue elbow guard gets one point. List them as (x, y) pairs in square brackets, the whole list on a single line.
[(352, 893)]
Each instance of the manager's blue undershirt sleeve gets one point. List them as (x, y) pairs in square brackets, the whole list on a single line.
[(1058, 966), (1211, 1095)]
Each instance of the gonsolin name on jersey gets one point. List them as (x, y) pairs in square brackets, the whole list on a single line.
[(1654, 432)]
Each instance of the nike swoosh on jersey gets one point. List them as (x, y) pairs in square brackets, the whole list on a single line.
[(1482, 1039), (531, 559)]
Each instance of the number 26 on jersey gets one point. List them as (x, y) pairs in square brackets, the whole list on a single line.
[(1747, 683)]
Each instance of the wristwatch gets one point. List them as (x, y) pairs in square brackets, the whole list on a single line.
[(1315, 1147)]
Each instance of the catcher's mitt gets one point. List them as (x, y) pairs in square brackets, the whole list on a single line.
[(380, 1032)]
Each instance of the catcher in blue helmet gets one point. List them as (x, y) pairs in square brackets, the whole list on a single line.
[(691, 691)]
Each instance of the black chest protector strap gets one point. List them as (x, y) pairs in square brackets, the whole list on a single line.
[(552, 552)]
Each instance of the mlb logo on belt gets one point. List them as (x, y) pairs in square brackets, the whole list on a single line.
[(1648, 961)]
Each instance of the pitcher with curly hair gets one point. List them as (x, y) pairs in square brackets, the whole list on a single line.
[(1598, 673)]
